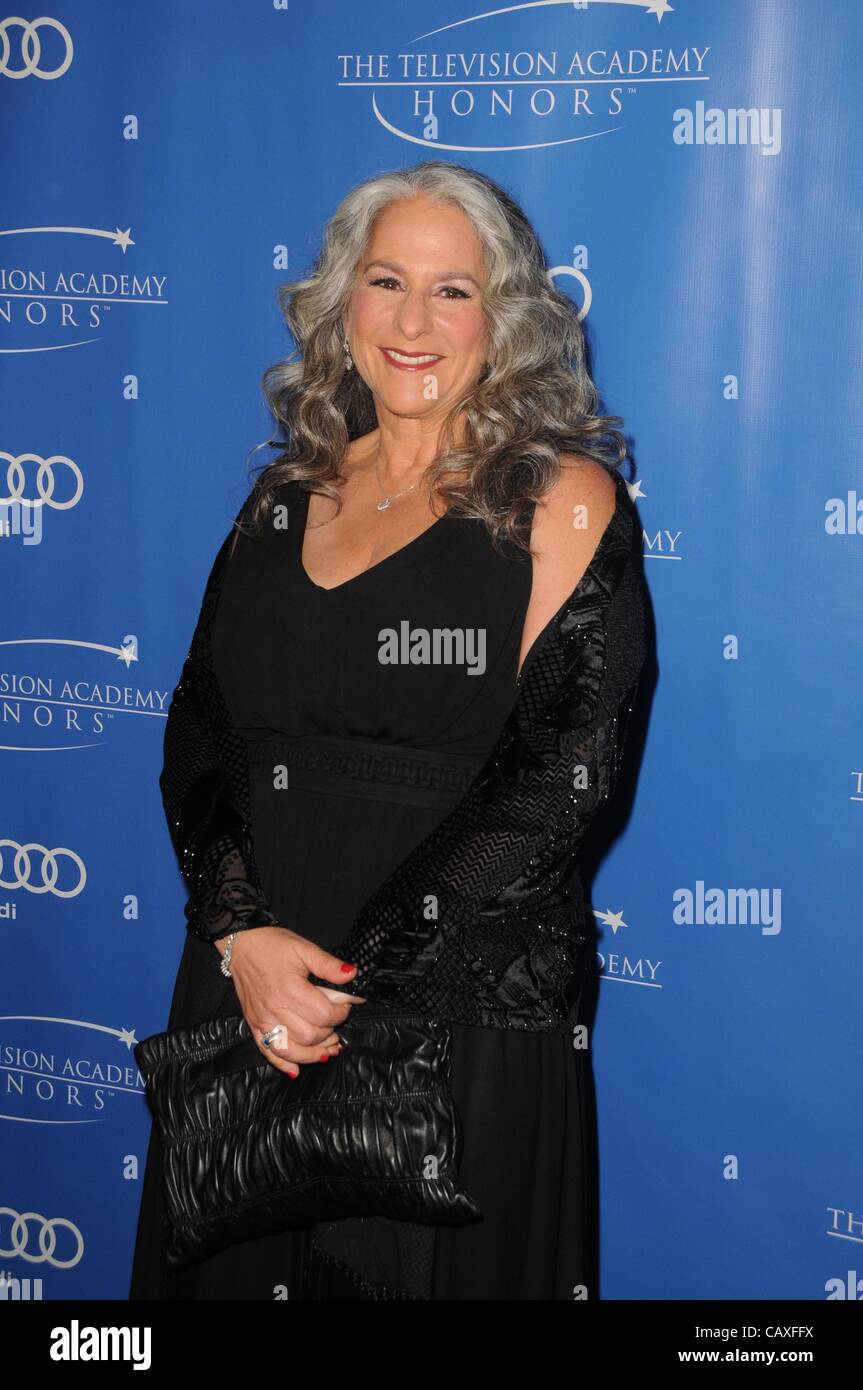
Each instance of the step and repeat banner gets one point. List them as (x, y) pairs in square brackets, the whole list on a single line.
[(693, 172)]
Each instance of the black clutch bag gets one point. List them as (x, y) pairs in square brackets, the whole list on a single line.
[(248, 1151)]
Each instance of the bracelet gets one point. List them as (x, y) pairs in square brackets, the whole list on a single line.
[(225, 962)]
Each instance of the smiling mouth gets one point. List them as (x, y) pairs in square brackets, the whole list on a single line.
[(410, 361)]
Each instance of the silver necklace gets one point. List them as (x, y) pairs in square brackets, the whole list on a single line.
[(393, 496)]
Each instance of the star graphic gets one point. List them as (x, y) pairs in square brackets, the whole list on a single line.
[(127, 1036), (635, 490), (611, 919), (659, 8), (124, 239)]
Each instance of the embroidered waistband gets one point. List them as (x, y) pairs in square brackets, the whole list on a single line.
[(366, 768)]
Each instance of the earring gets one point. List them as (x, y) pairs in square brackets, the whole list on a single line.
[(349, 361)]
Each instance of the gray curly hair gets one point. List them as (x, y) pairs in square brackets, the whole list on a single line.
[(533, 401)]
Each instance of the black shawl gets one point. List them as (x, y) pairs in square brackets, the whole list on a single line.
[(484, 922)]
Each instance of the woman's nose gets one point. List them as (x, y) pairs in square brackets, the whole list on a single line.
[(413, 313)]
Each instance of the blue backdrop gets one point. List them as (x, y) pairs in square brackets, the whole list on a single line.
[(693, 172)]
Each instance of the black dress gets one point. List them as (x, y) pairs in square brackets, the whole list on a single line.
[(374, 753)]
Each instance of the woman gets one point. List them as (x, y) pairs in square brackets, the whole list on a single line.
[(445, 488)]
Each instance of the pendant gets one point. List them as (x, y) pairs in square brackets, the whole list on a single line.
[(382, 506)]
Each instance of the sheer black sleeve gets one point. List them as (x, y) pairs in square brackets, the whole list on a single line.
[(205, 789)]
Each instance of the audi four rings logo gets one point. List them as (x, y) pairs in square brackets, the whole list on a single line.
[(31, 48), (22, 867), (38, 1246), (16, 480)]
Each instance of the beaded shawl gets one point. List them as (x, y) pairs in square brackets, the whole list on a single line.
[(484, 921)]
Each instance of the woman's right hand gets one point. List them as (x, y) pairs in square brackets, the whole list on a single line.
[(270, 967)]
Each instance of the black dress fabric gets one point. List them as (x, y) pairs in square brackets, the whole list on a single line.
[(353, 761)]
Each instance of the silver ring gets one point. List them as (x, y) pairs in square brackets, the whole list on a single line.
[(272, 1034)]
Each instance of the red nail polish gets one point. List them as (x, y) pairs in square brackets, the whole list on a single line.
[(346, 968), (325, 1056)]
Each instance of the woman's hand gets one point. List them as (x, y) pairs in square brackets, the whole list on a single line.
[(270, 967)]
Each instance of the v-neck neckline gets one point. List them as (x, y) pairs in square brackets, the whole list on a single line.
[(372, 569)]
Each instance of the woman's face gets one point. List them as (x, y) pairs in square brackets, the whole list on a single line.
[(418, 292)]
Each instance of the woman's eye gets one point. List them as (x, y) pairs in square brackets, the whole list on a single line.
[(448, 290)]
